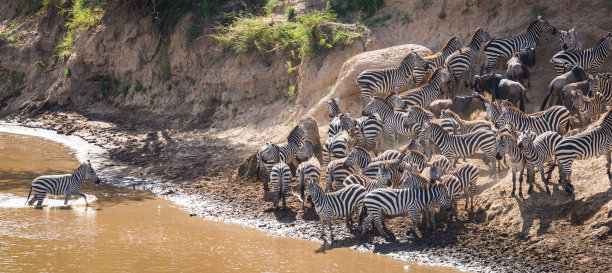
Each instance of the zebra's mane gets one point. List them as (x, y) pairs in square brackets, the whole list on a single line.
[(533, 24), (450, 112), (363, 150), (607, 119), (296, 132), (421, 109), (437, 185), (454, 37), (406, 58), (386, 99), (434, 74), (436, 124), (602, 42), (508, 135), (475, 33)]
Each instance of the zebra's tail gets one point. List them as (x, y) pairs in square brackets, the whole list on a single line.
[(28, 196), (546, 98)]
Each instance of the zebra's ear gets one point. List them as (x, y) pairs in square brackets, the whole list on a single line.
[(539, 17), (88, 162)]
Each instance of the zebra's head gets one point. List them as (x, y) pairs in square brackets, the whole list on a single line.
[(348, 123), (313, 188), (384, 174), (90, 173), (269, 152), (502, 145), (413, 59), (569, 40), (374, 106), (354, 155), (577, 98), (444, 198), (437, 167), (334, 109), (480, 36), (453, 44), (525, 139), (425, 133), (549, 28)]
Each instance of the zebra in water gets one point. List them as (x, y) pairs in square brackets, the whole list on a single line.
[(309, 169), (280, 176), (586, 145), (506, 47), (570, 41), (427, 93), (555, 119), (589, 59), (466, 126), (394, 202), (537, 151), (455, 146), (467, 173), (388, 80), (344, 202), (268, 155), (589, 108), (464, 60), (507, 143), (393, 120), (336, 172), (435, 60), (336, 147), (65, 184)]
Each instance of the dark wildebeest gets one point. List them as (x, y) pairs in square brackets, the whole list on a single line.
[(501, 89), (466, 107), (566, 92), (554, 88), (518, 64)]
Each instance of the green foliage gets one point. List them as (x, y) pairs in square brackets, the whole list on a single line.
[(67, 72), (17, 77), (138, 87), (203, 10), (539, 10), (269, 6), (303, 37), (369, 7), (38, 63), (152, 99), (104, 88), (235, 110), (442, 15), (290, 11), (292, 94), (83, 15), (125, 88), (465, 9), (29, 7), (11, 36), (227, 103), (610, 4), (331, 87)]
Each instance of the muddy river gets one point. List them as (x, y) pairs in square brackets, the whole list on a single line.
[(130, 230)]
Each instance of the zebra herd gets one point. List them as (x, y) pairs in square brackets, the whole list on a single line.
[(420, 170)]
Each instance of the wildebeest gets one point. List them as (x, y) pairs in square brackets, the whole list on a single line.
[(554, 88), (501, 89), (566, 92), (466, 107), (518, 64)]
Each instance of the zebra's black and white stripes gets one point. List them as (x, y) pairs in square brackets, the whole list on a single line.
[(555, 119), (570, 41), (589, 59), (537, 151), (67, 184), (436, 60), (336, 147), (465, 59), (506, 47), (280, 177), (507, 143), (309, 169), (589, 108), (427, 93), (393, 120)]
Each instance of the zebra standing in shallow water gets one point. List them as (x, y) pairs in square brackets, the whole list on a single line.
[(66, 184), (388, 80), (506, 47), (465, 59), (344, 202), (570, 41), (537, 151), (588, 59), (586, 145), (435, 60), (393, 202)]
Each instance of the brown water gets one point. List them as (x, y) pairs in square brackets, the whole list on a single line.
[(128, 230)]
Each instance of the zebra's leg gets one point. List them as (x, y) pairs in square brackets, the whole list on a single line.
[(40, 198), (66, 199), (466, 191), (82, 195), (415, 224), (544, 180), (521, 183), (609, 161), (322, 218), (377, 224), (331, 231), (530, 178), (513, 182), (432, 218), (34, 198), (368, 220)]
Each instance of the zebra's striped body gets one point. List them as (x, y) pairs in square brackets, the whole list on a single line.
[(335, 127), (383, 179), (280, 177), (418, 158), (506, 47), (368, 129), (467, 126), (309, 169), (65, 184), (602, 83), (588, 59), (436, 60), (507, 143), (393, 202), (427, 93), (268, 155), (492, 112), (373, 167), (439, 165), (589, 108), (336, 147), (334, 109), (465, 59), (388, 80), (412, 180), (455, 146), (288, 150), (555, 119), (336, 172), (343, 203), (467, 173), (393, 120), (570, 41), (586, 145), (362, 158), (537, 151)]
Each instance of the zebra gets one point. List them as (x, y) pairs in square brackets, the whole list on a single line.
[(362, 158), (393, 120), (537, 151), (427, 93), (393, 202), (435, 60), (412, 179), (555, 118), (288, 150), (368, 129), (467, 173), (492, 112), (344, 202), (336, 172), (589, 108), (383, 179), (589, 59), (465, 59), (570, 41), (582, 146), (390, 79), (65, 184), (280, 176), (336, 147), (455, 146), (335, 127), (309, 169), (506, 47), (417, 158), (507, 143), (602, 83), (438, 165), (466, 126), (334, 109), (268, 155)]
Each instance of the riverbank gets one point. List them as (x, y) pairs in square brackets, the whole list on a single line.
[(166, 163)]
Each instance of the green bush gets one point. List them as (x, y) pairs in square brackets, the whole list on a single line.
[(290, 11), (67, 72), (17, 77), (292, 94), (83, 15), (442, 15), (203, 10), (369, 7), (125, 88), (138, 87)]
